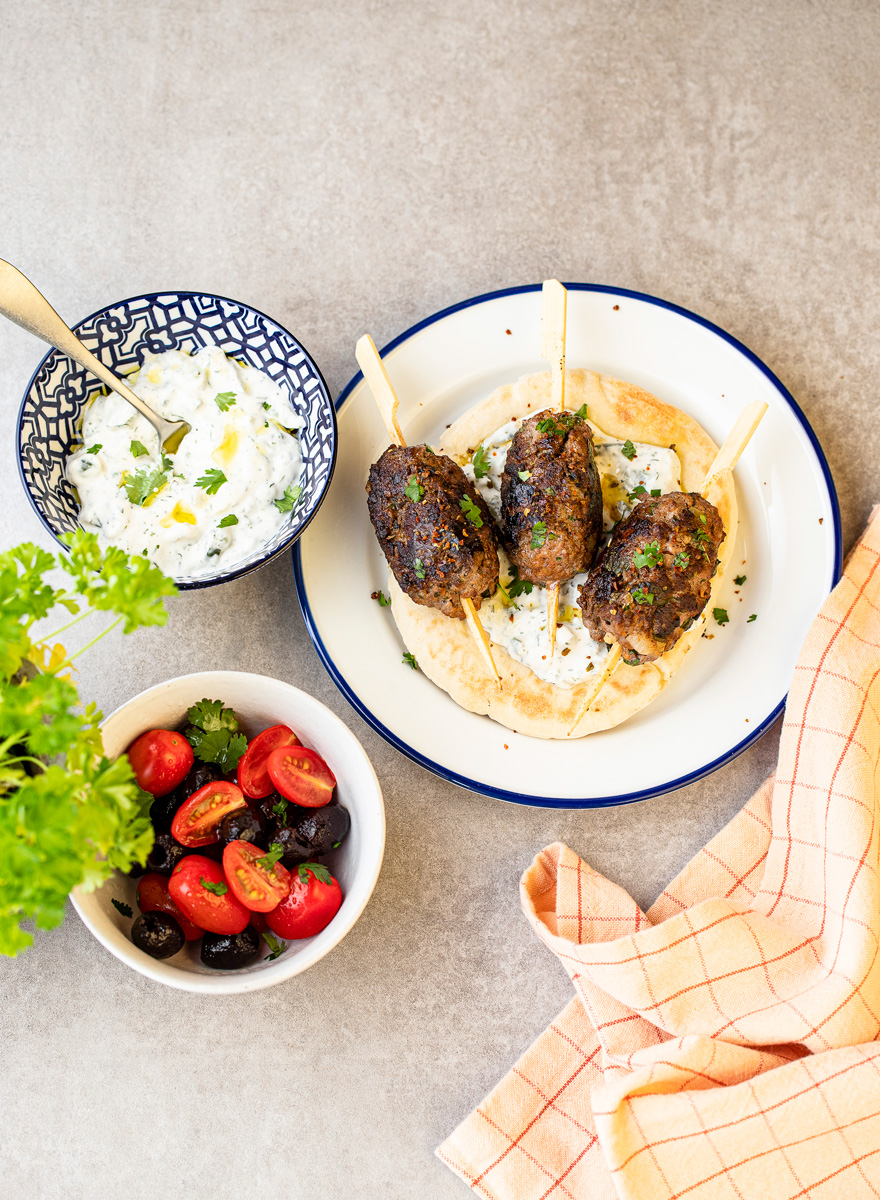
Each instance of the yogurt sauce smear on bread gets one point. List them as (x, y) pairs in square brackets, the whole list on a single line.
[(517, 619), (215, 501)]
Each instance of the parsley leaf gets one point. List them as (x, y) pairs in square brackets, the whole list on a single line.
[(628, 451), (224, 400), (518, 586), (471, 511), (419, 568), (413, 490), (210, 714), (280, 809), (720, 615), (410, 660), (124, 909), (524, 475), (213, 734), (681, 560), (642, 597), (480, 463), (138, 448), (650, 556), (212, 481), (753, 617), (266, 405), (384, 601), (218, 889), (275, 854), (540, 534), (739, 580), (94, 449), (144, 485), (289, 499), (229, 519), (319, 871), (167, 464), (274, 945)]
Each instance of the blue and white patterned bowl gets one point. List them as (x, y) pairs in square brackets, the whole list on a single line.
[(120, 335)]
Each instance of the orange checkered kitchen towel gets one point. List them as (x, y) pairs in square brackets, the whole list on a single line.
[(725, 1044)]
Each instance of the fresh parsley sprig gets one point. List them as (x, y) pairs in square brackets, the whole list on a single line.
[(144, 486), (289, 499), (212, 480), (471, 511), (413, 490), (224, 400), (650, 555), (480, 463), (319, 871), (213, 734)]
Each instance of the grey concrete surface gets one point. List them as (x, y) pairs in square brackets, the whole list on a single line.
[(359, 165)]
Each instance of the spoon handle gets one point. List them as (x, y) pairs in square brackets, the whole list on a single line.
[(22, 303)]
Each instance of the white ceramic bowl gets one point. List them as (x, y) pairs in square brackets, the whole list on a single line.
[(258, 702)]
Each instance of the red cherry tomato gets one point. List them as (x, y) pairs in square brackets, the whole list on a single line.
[(160, 759), (197, 821), (258, 921), (152, 896), (310, 906), (258, 887), (301, 775), (252, 776), (200, 903)]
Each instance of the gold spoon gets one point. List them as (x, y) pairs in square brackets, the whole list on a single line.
[(22, 303)]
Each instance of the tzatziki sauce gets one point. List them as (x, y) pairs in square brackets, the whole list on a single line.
[(221, 496), (517, 620)]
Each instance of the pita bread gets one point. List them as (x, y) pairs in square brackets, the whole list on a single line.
[(442, 645)]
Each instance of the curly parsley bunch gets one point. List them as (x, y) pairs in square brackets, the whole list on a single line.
[(68, 816)]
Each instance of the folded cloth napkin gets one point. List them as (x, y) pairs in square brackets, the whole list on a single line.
[(723, 1044)]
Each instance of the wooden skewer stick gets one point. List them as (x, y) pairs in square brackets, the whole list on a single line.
[(553, 315), (725, 460), (386, 400)]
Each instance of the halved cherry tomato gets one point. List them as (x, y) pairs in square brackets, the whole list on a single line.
[(153, 896), (199, 889), (252, 776), (197, 821), (310, 906), (301, 775), (160, 759), (258, 887)]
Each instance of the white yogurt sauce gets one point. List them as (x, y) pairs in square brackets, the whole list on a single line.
[(520, 624), (239, 443)]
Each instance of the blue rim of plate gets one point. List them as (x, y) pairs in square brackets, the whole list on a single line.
[(474, 785), (235, 573)]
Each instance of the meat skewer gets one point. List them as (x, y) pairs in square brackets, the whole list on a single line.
[(653, 580), (553, 320), (434, 528)]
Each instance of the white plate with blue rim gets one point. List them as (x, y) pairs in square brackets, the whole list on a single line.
[(731, 687)]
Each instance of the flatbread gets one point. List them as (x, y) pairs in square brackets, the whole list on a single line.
[(526, 704)]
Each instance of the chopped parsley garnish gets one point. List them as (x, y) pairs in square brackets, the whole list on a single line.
[(720, 615), (384, 601), (124, 909), (280, 810), (276, 852), (167, 464), (410, 660), (628, 450), (480, 463), (229, 519), (739, 580), (212, 481), (681, 560), (224, 400), (642, 597), (753, 617), (539, 535), (94, 449), (320, 872), (291, 496), (274, 945), (266, 405), (419, 568), (649, 556), (639, 490), (218, 889), (565, 421), (471, 511), (138, 448), (143, 485), (213, 734), (518, 586), (524, 475), (413, 491)]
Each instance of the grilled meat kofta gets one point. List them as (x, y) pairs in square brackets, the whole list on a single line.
[(654, 577), (434, 528), (551, 498)]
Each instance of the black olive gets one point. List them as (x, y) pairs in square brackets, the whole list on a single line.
[(321, 830), (228, 951), (162, 812), (165, 855), (157, 934), (135, 871), (214, 850), (244, 825), (295, 851)]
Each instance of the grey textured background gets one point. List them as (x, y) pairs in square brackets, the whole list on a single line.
[(346, 166)]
